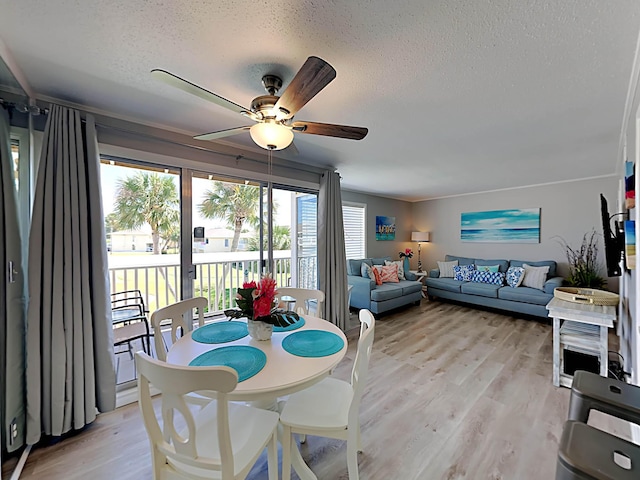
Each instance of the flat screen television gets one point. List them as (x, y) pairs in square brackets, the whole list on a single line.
[(613, 240)]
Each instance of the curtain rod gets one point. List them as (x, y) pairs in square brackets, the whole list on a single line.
[(24, 108), (290, 164)]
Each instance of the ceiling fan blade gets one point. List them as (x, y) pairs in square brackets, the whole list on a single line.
[(193, 89), (312, 77), (222, 133), (330, 130)]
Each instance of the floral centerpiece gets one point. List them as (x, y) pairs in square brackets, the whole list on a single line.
[(407, 253), (258, 303)]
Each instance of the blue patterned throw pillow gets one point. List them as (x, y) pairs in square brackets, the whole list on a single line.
[(515, 276), (495, 278), (463, 273)]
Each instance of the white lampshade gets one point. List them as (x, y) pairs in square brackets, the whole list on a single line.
[(271, 136), (419, 236)]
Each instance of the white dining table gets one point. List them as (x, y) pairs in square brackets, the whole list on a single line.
[(283, 373)]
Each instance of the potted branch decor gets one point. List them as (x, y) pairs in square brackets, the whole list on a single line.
[(584, 270), (258, 304)]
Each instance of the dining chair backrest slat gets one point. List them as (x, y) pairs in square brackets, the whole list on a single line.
[(176, 314), (174, 382)]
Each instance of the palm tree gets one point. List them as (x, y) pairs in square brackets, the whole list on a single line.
[(237, 204), (148, 198), (281, 239)]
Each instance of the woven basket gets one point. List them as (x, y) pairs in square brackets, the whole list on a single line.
[(586, 295)]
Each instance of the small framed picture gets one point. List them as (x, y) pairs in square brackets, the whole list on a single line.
[(385, 228)]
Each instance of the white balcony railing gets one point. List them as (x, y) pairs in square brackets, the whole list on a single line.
[(218, 275)]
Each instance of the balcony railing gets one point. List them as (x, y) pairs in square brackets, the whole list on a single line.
[(218, 275)]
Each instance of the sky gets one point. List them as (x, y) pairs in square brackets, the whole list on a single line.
[(110, 174)]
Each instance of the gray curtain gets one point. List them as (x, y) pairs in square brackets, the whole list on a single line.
[(70, 364), (12, 311), (331, 253)]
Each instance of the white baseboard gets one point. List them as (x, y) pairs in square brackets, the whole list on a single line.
[(130, 395)]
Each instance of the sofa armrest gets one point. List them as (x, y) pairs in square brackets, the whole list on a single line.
[(551, 284), (434, 273), (361, 292), (410, 276)]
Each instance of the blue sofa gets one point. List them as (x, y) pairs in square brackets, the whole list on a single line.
[(529, 301), (380, 298)]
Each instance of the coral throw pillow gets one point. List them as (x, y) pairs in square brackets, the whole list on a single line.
[(389, 273), (377, 276)]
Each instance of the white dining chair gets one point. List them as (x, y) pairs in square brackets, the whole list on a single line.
[(223, 441), (330, 408), (304, 298), (176, 313)]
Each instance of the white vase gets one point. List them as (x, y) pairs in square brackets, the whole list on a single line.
[(259, 330)]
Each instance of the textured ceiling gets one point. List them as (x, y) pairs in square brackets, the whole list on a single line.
[(459, 97)]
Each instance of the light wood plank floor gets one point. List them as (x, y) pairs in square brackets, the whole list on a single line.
[(453, 393)]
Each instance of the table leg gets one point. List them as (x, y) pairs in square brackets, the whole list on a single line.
[(556, 352), (604, 351)]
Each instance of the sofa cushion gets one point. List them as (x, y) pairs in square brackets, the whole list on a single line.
[(354, 266), (524, 295), (448, 284), (495, 278), (446, 268), (463, 273), (535, 277), (386, 291), (551, 263), (400, 265), (410, 286), (515, 276), (365, 271), (380, 261), (503, 265), (461, 260), (482, 289), (389, 273)]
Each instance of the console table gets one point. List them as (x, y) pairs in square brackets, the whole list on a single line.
[(580, 328)]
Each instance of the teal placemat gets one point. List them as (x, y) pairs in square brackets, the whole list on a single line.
[(293, 326), (312, 343), (245, 360), (220, 332)]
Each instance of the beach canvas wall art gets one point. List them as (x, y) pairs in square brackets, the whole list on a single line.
[(385, 228), (630, 244), (501, 226)]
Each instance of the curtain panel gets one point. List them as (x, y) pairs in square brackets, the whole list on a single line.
[(12, 302), (70, 363), (331, 252)]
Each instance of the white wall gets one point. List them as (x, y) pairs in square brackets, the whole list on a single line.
[(568, 210)]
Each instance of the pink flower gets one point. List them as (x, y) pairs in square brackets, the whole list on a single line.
[(262, 306), (407, 251), (267, 286)]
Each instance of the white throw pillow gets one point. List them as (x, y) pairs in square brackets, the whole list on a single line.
[(446, 268), (534, 277), (400, 268)]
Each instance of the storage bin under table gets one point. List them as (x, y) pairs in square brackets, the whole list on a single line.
[(580, 328)]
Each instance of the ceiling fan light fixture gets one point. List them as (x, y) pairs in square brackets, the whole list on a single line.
[(271, 136)]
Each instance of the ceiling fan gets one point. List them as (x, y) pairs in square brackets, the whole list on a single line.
[(274, 127)]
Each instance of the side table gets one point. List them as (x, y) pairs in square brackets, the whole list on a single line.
[(579, 328), (419, 277)]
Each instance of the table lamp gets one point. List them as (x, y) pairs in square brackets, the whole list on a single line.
[(419, 237)]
